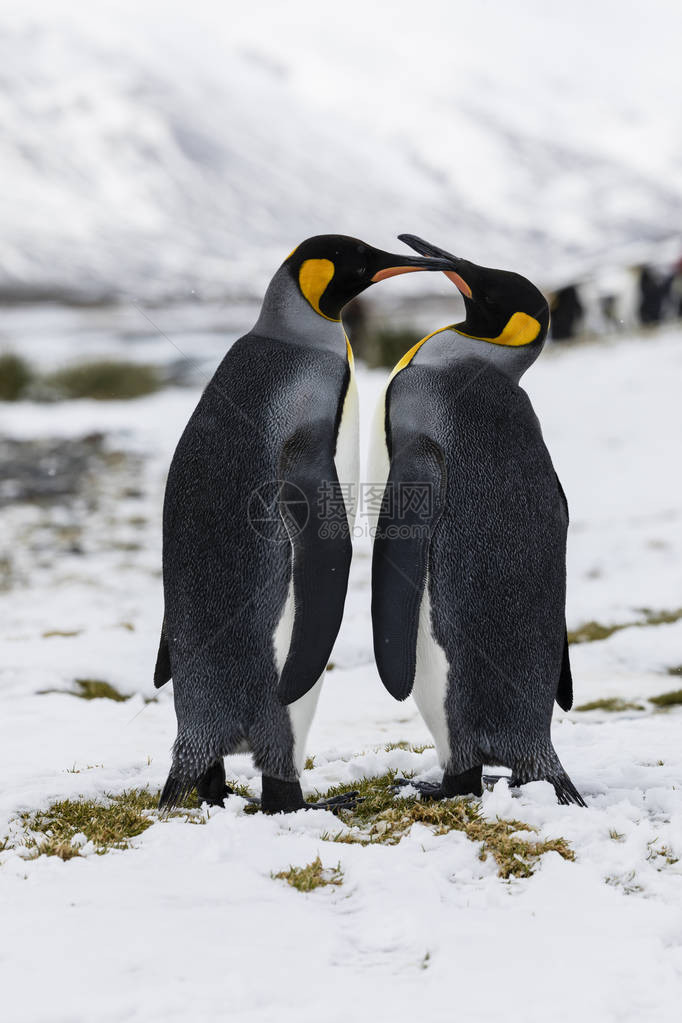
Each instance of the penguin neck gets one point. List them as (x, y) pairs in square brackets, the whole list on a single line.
[(447, 347), (286, 316)]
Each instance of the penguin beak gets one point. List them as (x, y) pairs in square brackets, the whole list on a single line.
[(459, 282), (427, 249), (390, 265)]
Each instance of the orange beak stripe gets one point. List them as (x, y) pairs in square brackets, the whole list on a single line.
[(458, 282), (393, 271)]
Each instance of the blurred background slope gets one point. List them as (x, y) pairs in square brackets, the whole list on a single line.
[(157, 150)]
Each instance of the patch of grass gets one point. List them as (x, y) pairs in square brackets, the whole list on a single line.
[(15, 377), (408, 746), (617, 836), (591, 632), (660, 855), (51, 633), (676, 670), (613, 704), (240, 790), (6, 574), (95, 689), (309, 763), (625, 881), (384, 818), (672, 699), (104, 380), (660, 617), (108, 825), (313, 875)]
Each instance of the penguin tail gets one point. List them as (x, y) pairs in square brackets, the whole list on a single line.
[(162, 671), (175, 791), (549, 768), (566, 792)]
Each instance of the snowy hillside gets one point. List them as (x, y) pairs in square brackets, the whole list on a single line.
[(150, 150)]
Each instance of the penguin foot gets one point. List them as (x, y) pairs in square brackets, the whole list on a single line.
[(212, 787), (286, 797), (344, 801), (215, 799), (468, 783), (426, 789), (491, 780)]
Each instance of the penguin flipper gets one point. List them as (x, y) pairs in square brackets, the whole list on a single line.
[(322, 554), (162, 671), (412, 505), (564, 693), (562, 494)]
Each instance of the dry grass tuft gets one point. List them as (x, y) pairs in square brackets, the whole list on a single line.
[(97, 689), (672, 699), (613, 704), (313, 875), (15, 377), (591, 632), (104, 380), (65, 826), (383, 818)]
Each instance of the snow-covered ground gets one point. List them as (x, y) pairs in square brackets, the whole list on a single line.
[(188, 923)]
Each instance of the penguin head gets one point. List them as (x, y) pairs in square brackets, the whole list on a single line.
[(331, 269), (502, 308)]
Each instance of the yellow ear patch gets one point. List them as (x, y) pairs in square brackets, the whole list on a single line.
[(520, 330), (313, 278)]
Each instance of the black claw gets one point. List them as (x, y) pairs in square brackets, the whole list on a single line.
[(466, 783), (215, 798), (490, 780), (426, 789), (344, 801)]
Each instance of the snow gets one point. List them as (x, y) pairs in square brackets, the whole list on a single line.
[(154, 150), (189, 924)]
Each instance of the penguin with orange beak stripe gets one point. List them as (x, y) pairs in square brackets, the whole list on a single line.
[(254, 572), (469, 559)]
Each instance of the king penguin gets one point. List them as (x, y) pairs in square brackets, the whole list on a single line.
[(469, 557), (254, 575)]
